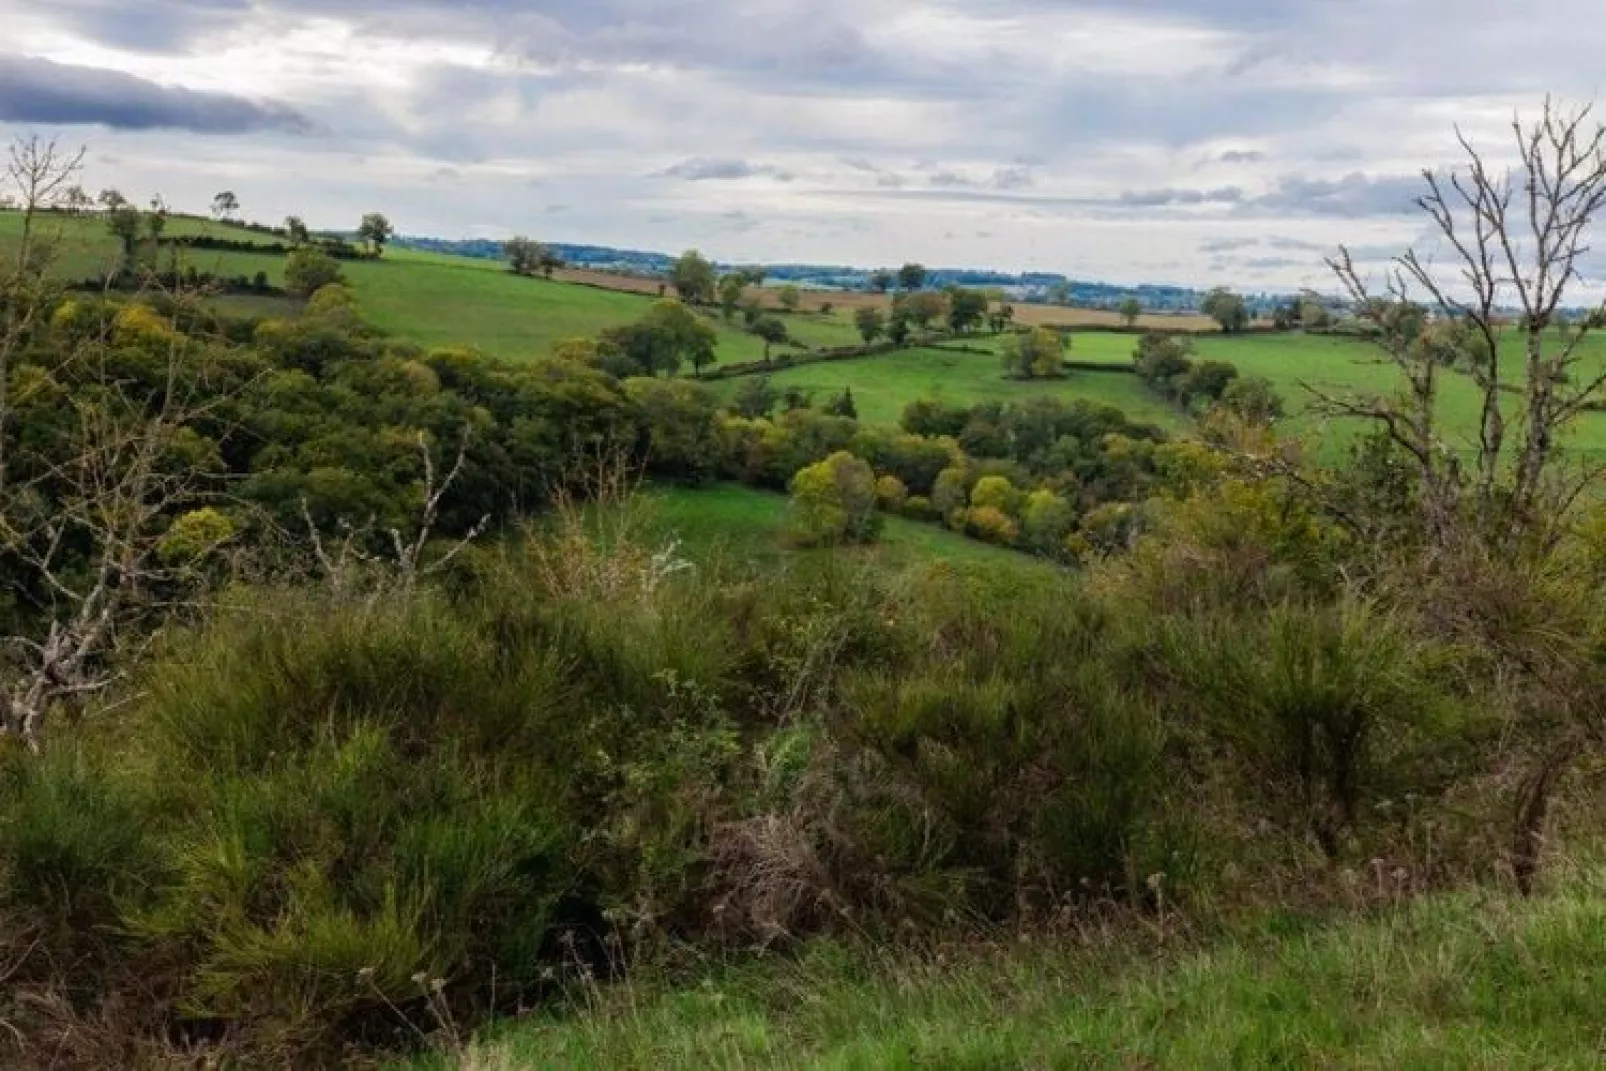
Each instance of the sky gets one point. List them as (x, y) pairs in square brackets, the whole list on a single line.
[(1184, 141)]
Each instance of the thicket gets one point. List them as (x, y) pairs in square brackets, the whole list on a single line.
[(325, 818)]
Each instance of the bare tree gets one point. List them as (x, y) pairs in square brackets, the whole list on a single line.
[(89, 534), (40, 176), (1516, 240)]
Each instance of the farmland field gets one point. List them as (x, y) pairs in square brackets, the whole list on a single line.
[(883, 385)]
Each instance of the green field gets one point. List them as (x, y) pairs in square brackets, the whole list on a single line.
[(438, 300), (745, 526), (883, 385), (1341, 366), (1474, 980)]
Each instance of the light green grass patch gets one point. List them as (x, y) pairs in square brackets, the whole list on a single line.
[(883, 385), (1474, 980), (744, 526)]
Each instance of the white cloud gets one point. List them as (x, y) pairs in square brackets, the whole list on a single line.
[(1095, 138)]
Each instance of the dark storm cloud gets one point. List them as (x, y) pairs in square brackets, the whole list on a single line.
[(38, 91)]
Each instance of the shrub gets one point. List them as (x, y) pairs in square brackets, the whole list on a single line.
[(834, 501), (1305, 694), (1046, 520), (992, 525), (891, 494), (997, 493), (951, 491), (307, 270)]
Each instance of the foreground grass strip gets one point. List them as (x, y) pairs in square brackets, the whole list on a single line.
[(1473, 980)]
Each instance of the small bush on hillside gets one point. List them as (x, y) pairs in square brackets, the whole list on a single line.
[(308, 270), (834, 501)]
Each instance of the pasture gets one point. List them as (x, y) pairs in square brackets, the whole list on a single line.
[(729, 522), (883, 385)]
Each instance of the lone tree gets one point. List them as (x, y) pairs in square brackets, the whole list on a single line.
[(693, 278), (376, 230), (1227, 309), (124, 223), (40, 176), (871, 322), (524, 255), (225, 204), (881, 281), (1035, 354), (731, 289), (966, 308), (772, 330), (296, 229), (1131, 309), (912, 277), (790, 298)]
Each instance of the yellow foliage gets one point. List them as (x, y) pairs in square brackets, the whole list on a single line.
[(194, 536), (993, 525), (140, 325)]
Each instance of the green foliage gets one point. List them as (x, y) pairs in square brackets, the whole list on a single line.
[(375, 230), (911, 277), (525, 256), (834, 501), (1046, 519), (1038, 353), (692, 276), (308, 270), (870, 321), (1131, 308), (754, 397), (790, 297), (669, 336), (1254, 399), (731, 289), (681, 422), (1227, 309), (1308, 696), (966, 308), (772, 330), (996, 492)]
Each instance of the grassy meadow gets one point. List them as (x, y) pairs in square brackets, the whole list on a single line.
[(730, 522), (1472, 980), (884, 384)]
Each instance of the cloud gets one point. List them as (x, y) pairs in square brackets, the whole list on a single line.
[(706, 169), (1172, 197), (1353, 196), (1241, 156), (40, 91), (1226, 245), (1014, 178)]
